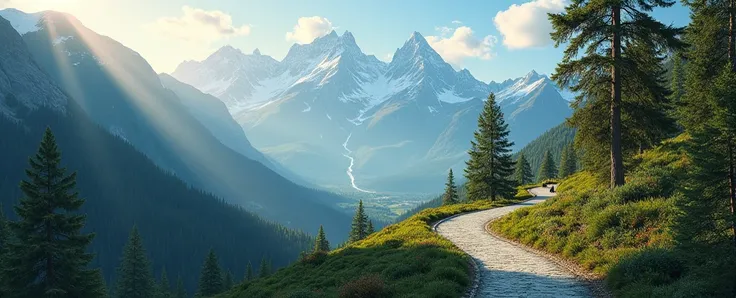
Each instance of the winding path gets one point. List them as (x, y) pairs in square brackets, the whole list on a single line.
[(506, 270)]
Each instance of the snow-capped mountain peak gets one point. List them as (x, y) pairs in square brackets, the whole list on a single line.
[(256, 52)]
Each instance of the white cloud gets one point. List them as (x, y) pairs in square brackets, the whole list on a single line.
[(462, 44), (309, 28), (198, 25), (527, 25), (457, 22)]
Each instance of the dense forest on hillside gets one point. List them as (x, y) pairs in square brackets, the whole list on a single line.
[(122, 188), (553, 140)]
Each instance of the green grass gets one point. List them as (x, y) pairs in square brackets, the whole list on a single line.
[(624, 235), (406, 259)]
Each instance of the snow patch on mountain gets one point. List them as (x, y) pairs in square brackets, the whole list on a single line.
[(449, 96), (22, 22)]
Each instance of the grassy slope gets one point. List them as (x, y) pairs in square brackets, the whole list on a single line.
[(406, 259), (625, 234)]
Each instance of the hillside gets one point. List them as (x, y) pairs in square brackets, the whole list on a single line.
[(626, 235), (553, 140), (406, 259)]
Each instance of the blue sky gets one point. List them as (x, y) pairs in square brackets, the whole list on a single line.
[(501, 46)]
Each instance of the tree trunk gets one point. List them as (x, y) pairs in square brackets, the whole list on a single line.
[(731, 36), (732, 187), (617, 164)]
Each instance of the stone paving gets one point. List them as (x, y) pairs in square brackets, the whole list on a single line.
[(506, 270)]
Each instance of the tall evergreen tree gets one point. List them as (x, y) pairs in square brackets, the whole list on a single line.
[(48, 255), (568, 162), (707, 113), (321, 244), (450, 196), (547, 170), (359, 226), (370, 229), (210, 280), (263, 269), (181, 292), (625, 24), (227, 281), (164, 287), (523, 172), (134, 274), (249, 272), (4, 238), (490, 166)]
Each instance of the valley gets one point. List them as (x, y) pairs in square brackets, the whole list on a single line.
[(536, 148)]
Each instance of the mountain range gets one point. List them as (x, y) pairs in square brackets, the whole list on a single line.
[(341, 118), (183, 131)]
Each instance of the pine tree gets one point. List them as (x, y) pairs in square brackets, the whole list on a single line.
[(360, 224), (522, 172), (321, 244), (370, 228), (635, 40), (210, 280), (227, 282), (164, 287), (263, 269), (249, 272), (547, 170), (4, 239), (568, 162), (134, 274), (181, 292), (48, 255), (490, 167), (707, 113), (450, 196)]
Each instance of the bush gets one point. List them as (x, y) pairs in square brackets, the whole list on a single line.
[(367, 286), (315, 258), (653, 267)]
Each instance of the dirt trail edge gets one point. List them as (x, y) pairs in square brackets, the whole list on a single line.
[(506, 269)]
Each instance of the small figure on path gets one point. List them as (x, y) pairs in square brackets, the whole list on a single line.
[(552, 189)]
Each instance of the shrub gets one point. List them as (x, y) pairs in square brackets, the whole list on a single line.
[(367, 286), (315, 258), (653, 267)]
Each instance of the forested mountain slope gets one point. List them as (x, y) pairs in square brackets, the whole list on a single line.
[(122, 187)]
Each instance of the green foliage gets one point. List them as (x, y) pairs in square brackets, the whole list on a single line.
[(450, 196), (568, 162), (615, 119), (134, 274), (321, 243), (522, 172), (4, 238), (553, 140), (48, 253), (249, 272), (264, 270), (490, 167), (181, 292), (359, 226), (370, 229), (548, 169), (408, 257), (654, 267), (210, 280), (227, 281), (164, 287), (366, 286)]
